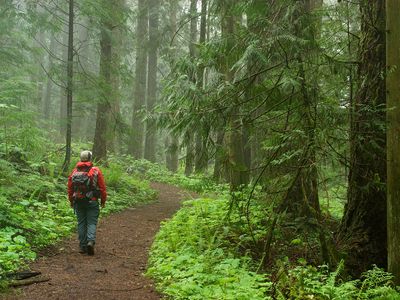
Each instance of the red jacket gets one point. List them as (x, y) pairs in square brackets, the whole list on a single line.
[(101, 185)]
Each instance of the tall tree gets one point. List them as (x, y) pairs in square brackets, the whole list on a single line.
[(236, 174), (69, 84), (201, 158), (116, 120), (303, 193), (104, 103), (49, 85), (64, 61), (363, 227), (255, 13), (135, 146), (172, 145), (393, 131), (189, 160), (150, 139)]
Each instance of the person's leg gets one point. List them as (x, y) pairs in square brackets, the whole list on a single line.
[(81, 214), (92, 217)]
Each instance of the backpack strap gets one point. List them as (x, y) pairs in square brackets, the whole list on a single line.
[(84, 169)]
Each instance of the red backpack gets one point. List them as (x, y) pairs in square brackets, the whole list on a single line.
[(82, 183)]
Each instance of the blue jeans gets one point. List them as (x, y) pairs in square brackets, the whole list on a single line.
[(87, 213)]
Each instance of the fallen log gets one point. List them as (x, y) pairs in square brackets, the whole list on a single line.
[(28, 281), (22, 275)]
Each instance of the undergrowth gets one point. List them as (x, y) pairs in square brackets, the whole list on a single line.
[(35, 212), (212, 250), (192, 257), (156, 172)]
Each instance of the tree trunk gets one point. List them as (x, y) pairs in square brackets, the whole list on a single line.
[(236, 164), (135, 146), (63, 101), (363, 229), (40, 76), (303, 197), (189, 159), (190, 138), (201, 159), (49, 85), (174, 154), (256, 11), (246, 151), (104, 105), (219, 155), (173, 141), (115, 134), (393, 133), (69, 85), (150, 140)]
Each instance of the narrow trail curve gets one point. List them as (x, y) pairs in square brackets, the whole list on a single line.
[(121, 252)]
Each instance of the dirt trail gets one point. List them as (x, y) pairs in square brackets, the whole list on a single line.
[(121, 252)]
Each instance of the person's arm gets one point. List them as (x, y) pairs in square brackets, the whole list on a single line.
[(70, 191), (102, 187)]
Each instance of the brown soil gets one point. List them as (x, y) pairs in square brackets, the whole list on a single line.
[(121, 252)]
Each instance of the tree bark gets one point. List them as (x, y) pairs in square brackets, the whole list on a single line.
[(150, 139), (252, 147), (190, 138), (69, 85), (174, 152), (363, 228), (63, 101), (80, 112), (189, 159), (115, 128), (303, 197), (173, 140), (201, 158), (49, 85), (236, 164), (104, 105), (393, 133), (219, 156), (136, 146)]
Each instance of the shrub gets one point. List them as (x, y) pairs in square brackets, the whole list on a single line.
[(191, 257)]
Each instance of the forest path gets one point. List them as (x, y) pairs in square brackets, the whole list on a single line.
[(121, 252)]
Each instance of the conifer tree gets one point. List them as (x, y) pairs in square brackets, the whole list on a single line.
[(135, 146), (363, 227), (393, 145), (152, 85)]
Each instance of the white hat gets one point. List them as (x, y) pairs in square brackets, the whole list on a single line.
[(86, 155)]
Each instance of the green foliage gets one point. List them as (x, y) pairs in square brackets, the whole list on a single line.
[(208, 250), (156, 172), (35, 212), (124, 190), (192, 259), (333, 200), (308, 282)]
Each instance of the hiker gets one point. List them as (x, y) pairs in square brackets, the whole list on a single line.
[(85, 186)]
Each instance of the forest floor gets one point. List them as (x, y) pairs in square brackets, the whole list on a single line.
[(121, 252)]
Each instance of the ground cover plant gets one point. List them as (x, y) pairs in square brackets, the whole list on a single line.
[(193, 258), (35, 212), (206, 251), (211, 248), (156, 172)]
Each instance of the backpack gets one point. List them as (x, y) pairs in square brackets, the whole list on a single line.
[(82, 183)]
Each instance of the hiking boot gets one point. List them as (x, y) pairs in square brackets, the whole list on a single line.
[(82, 250), (90, 248)]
